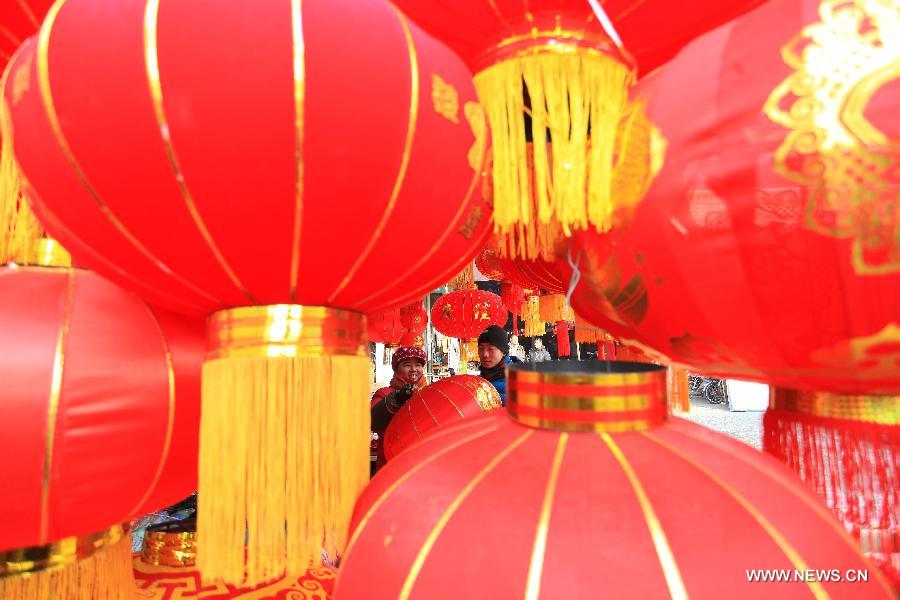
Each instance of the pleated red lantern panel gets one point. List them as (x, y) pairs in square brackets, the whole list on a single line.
[(553, 60), (586, 489), (99, 423), (464, 314), (767, 247), (19, 228), (385, 327), (234, 160), (414, 317), (437, 406), (412, 339)]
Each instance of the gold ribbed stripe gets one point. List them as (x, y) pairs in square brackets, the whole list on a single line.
[(299, 52), (53, 403), (881, 410), (535, 569)]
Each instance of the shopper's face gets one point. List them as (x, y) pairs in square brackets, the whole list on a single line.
[(489, 355), (410, 370)]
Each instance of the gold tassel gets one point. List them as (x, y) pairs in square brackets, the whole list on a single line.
[(19, 227), (284, 439), (465, 279), (94, 567), (570, 91), (531, 313), (468, 350), (552, 308)]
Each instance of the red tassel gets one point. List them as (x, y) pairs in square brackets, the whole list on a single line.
[(513, 295), (854, 466), (562, 339)]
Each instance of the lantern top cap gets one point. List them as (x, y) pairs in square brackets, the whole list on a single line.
[(595, 397)]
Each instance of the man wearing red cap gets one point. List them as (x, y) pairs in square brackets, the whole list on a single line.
[(408, 363)]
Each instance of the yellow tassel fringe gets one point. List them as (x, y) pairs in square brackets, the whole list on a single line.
[(569, 93), (284, 452), (531, 314), (552, 308), (105, 575), (19, 227)]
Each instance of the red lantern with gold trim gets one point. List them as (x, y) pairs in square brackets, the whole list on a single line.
[(437, 406), (414, 317), (385, 327), (464, 314), (767, 248), (553, 60), (99, 423), (586, 481), (273, 225)]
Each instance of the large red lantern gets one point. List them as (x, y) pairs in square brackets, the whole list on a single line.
[(99, 423), (464, 314), (275, 225), (548, 70), (587, 484), (767, 248), (436, 407)]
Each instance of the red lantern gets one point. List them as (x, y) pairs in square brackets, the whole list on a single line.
[(414, 317), (275, 224), (553, 60), (411, 338), (537, 274), (437, 406), (767, 247), (101, 412), (586, 482), (464, 314), (488, 264), (19, 19), (385, 327)]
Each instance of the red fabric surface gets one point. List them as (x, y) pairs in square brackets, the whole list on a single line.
[(113, 411), (652, 31), (414, 317), (714, 499), (384, 326), (19, 19), (441, 404), (763, 250), (227, 83)]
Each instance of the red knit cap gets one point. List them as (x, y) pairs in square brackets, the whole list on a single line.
[(407, 352)]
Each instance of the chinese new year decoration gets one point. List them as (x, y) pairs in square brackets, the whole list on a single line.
[(414, 319), (437, 406), (99, 421), (464, 314), (592, 477), (767, 247), (273, 227)]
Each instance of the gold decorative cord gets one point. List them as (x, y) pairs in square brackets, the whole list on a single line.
[(535, 569), (151, 60), (299, 50)]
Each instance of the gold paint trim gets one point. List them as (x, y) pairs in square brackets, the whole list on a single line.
[(815, 587), (170, 415), (816, 506), (663, 551), (461, 415), (43, 69), (53, 404), (880, 410), (415, 469), (299, 70), (438, 528), (285, 330), (600, 427), (404, 162), (151, 60), (33, 559), (535, 569), (428, 410), (412, 421)]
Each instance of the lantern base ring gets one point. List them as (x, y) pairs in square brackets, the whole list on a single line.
[(34, 559)]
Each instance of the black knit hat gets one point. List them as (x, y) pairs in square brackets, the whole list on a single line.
[(495, 336)]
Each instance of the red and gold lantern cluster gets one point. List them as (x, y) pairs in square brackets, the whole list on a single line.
[(129, 167), (101, 411), (464, 314), (582, 456), (436, 407), (414, 319)]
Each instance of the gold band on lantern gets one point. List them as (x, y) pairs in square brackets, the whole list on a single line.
[(565, 397), (63, 552), (881, 410), (170, 547), (554, 41), (285, 330)]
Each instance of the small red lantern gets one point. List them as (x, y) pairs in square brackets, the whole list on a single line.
[(437, 406), (414, 317), (101, 412), (587, 485), (273, 226), (488, 264), (464, 314), (385, 327)]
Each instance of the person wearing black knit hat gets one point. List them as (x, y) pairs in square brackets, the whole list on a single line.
[(493, 351)]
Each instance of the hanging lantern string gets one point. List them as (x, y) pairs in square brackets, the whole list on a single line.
[(605, 21)]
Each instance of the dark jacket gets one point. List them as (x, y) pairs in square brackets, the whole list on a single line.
[(497, 375)]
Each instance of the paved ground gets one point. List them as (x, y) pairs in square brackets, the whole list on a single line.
[(743, 426)]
